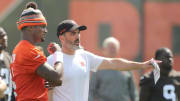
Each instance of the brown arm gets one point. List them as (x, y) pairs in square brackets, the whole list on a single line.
[(50, 74)]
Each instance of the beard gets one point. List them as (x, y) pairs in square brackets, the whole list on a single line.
[(75, 45), (42, 39), (166, 67), (2, 47)]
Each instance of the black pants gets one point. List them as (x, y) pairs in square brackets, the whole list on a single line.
[(5, 98), (12, 96)]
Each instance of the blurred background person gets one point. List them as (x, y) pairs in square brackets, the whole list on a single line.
[(168, 86), (4, 68), (111, 85), (4, 55)]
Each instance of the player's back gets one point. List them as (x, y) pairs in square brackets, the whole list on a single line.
[(166, 89), (29, 86)]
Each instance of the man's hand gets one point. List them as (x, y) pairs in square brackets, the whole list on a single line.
[(51, 85), (53, 47), (148, 64)]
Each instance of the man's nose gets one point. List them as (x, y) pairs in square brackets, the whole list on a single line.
[(45, 30)]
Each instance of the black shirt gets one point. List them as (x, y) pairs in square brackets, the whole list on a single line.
[(166, 89)]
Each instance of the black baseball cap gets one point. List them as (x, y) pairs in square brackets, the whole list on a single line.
[(68, 25)]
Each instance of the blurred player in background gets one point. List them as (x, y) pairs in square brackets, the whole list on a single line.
[(29, 68), (168, 86), (4, 68), (78, 63), (111, 85), (3, 87)]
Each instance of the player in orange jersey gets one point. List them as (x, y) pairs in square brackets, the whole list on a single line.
[(29, 68)]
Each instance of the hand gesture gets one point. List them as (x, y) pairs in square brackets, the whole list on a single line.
[(53, 47)]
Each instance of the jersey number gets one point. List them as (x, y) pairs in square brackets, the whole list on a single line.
[(169, 92)]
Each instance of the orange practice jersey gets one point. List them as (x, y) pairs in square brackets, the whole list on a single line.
[(28, 85)]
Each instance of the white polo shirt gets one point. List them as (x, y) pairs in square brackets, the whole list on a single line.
[(77, 69)]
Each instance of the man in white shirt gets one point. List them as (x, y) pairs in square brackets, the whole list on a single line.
[(78, 63)]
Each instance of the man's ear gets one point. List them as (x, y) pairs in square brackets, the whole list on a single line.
[(61, 38)]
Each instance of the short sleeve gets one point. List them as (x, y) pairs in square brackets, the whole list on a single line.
[(94, 61), (147, 80), (50, 60), (33, 59), (58, 57), (55, 57)]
